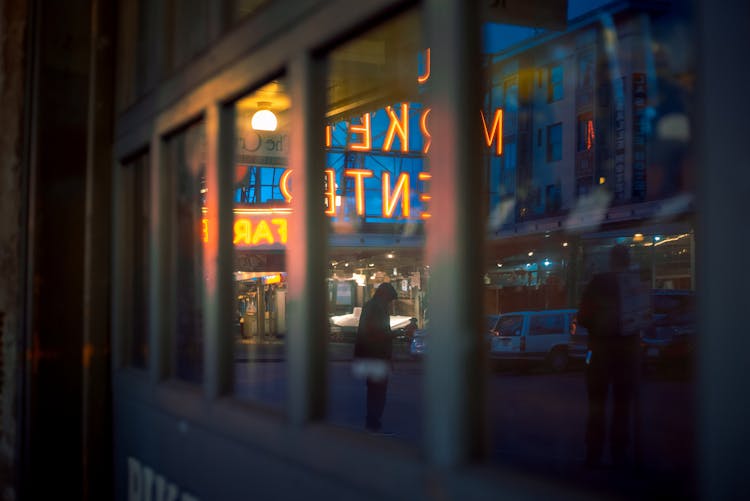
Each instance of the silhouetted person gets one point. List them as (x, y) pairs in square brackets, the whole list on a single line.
[(613, 308), (410, 329), (373, 350)]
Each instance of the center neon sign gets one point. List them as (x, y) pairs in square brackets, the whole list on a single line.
[(390, 195), (398, 128)]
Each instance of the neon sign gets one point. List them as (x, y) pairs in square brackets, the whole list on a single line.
[(391, 195), (256, 228), (398, 129)]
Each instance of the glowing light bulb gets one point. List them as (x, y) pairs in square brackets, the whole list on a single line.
[(264, 119)]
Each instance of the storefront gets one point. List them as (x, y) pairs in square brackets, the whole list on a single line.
[(276, 162), (308, 185)]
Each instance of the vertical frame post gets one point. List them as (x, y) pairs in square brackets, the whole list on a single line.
[(454, 236), (307, 243), (218, 251)]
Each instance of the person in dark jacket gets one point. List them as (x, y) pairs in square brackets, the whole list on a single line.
[(373, 350), (612, 360)]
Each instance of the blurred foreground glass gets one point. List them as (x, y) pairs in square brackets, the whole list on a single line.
[(185, 156), (376, 199), (595, 129), (262, 192)]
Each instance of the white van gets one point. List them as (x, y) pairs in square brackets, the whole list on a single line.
[(533, 335)]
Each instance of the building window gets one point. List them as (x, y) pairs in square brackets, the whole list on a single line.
[(136, 199), (262, 195), (586, 70), (555, 83), (508, 176), (554, 142), (510, 105), (186, 159), (553, 198), (377, 199)]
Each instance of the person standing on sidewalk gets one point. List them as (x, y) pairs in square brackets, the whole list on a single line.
[(614, 308), (373, 352)]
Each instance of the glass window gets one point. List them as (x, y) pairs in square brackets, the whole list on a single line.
[(555, 83), (185, 157), (554, 142), (135, 206), (509, 325), (262, 196), (188, 30), (547, 324), (554, 228), (586, 70), (377, 197)]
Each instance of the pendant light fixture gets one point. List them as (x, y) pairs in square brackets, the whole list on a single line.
[(264, 119)]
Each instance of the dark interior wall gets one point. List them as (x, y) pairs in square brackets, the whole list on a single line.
[(58, 117), (13, 26)]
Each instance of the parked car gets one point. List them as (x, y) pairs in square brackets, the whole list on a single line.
[(419, 338), (668, 340), (540, 336)]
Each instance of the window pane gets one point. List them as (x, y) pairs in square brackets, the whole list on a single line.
[(262, 192), (135, 205), (605, 164), (377, 198), (189, 30), (554, 142), (555, 85), (186, 154)]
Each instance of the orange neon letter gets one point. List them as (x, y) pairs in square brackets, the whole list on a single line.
[(497, 130), (359, 187), (281, 228), (328, 136), (284, 185), (242, 231), (204, 225), (589, 134), (330, 192), (424, 197), (262, 231), (396, 126), (426, 75), (401, 190), (363, 129), (425, 132)]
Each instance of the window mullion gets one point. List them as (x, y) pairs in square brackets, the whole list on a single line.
[(454, 379), (308, 324), (218, 252)]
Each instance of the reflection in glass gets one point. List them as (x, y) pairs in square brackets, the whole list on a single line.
[(262, 192), (596, 153), (186, 154), (377, 197)]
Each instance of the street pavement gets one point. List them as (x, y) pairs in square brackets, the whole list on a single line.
[(536, 419)]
